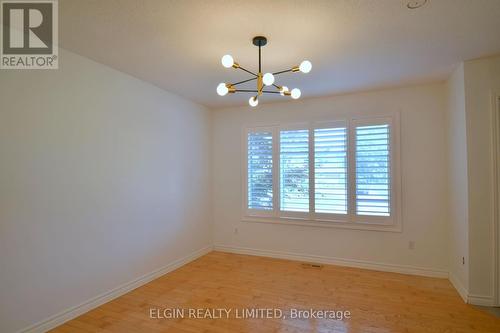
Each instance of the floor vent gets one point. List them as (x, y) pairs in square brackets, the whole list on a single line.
[(311, 265)]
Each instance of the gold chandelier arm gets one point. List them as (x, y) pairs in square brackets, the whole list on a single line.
[(240, 82), (287, 70), (260, 84), (230, 88), (246, 90), (256, 91), (246, 70)]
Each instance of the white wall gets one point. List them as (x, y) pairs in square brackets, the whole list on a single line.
[(423, 174), (457, 181), (103, 178), (482, 78)]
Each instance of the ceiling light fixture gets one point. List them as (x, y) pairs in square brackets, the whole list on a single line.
[(414, 4), (266, 79)]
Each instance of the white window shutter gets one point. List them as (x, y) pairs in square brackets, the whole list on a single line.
[(260, 170), (373, 173), (294, 170), (330, 170)]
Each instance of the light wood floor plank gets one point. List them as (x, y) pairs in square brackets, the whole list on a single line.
[(379, 302)]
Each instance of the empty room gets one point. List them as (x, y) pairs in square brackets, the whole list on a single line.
[(224, 166)]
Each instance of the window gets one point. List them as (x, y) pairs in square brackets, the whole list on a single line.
[(342, 173), (373, 179), (294, 170), (260, 170), (330, 167)]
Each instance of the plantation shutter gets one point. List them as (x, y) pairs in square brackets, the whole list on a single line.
[(294, 170), (373, 185), (260, 170), (330, 167)]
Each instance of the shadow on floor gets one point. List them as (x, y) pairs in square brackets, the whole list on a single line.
[(489, 309)]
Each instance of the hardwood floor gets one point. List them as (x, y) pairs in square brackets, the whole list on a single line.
[(378, 302)]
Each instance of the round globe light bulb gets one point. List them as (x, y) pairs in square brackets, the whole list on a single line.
[(283, 90), (227, 61), (222, 90), (268, 79), (253, 101), (305, 66), (295, 93)]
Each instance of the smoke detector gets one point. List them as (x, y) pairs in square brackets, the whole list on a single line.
[(414, 4)]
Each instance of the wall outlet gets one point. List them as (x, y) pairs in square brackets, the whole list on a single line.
[(463, 260), (235, 231), (411, 245)]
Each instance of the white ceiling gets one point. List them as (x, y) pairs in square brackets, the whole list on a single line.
[(352, 44)]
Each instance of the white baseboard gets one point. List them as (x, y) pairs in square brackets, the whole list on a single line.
[(73, 312), (470, 298), (480, 300), (403, 269), (462, 291)]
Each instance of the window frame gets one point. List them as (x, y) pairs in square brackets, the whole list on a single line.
[(392, 223)]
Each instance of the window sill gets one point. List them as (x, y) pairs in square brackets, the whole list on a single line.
[(323, 223)]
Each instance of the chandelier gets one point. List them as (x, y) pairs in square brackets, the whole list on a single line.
[(263, 80)]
